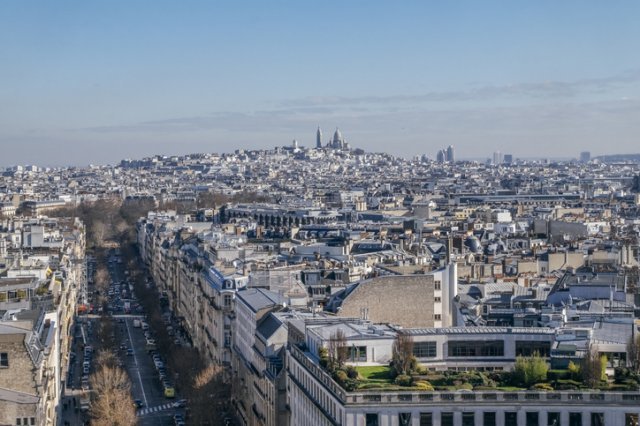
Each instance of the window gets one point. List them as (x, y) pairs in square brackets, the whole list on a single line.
[(476, 348), (630, 419), (532, 418), (4, 360), (438, 285), (510, 418), (358, 353), (371, 419), (489, 418), (18, 421), (437, 317), (468, 419), (437, 299), (446, 419), (524, 348), (553, 419), (404, 419), (424, 349), (227, 300), (33, 421), (426, 419), (597, 419), (575, 419)]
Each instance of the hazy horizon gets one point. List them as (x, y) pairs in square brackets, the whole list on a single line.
[(88, 83)]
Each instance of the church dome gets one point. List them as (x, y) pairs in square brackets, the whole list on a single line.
[(337, 136)]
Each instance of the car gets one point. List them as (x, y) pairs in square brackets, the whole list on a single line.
[(138, 403), (181, 403), (85, 370), (169, 392), (129, 352), (178, 418)]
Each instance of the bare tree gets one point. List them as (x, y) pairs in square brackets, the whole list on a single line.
[(633, 354), (338, 350), (107, 378), (593, 368), (113, 408), (106, 358), (402, 357), (207, 394), (113, 404)]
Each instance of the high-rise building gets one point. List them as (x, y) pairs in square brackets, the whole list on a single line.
[(497, 158), (441, 157), (508, 159), (450, 154), (585, 156), (319, 138)]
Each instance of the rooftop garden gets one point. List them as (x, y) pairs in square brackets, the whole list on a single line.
[(529, 373)]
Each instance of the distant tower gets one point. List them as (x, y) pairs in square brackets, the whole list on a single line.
[(319, 138), (497, 158), (585, 156), (337, 142), (451, 157), (441, 156)]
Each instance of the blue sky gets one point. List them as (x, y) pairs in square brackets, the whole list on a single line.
[(94, 82)]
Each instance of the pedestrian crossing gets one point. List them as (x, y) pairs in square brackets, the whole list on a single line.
[(151, 410)]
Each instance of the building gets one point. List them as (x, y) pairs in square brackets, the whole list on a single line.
[(451, 158), (319, 138)]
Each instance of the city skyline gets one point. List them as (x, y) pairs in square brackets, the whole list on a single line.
[(88, 83)]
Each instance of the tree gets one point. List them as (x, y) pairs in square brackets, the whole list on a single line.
[(402, 359), (113, 408), (208, 394), (633, 354), (593, 368), (108, 378), (338, 351), (113, 405), (530, 370)]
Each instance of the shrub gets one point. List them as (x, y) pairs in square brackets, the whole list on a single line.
[(554, 375), (340, 377), (403, 380), (350, 385), (423, 385), (542, 387), (530, 370), (574, 370), (352, 373), (465, 386)]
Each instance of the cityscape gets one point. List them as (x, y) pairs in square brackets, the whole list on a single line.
[(301, 286), (319, 213)]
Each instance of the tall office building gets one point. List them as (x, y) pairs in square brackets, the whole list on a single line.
[(451, 158), (508, 159), (585, 156), (441, 157), (497, 158), (319, 138)]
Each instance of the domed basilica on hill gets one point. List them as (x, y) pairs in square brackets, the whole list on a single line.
[(337, 142)]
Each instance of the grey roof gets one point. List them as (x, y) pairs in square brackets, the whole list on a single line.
[(258, 299), (269, 325)]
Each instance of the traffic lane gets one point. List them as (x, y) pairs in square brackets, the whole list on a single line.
[(148, 368), (145, 369)]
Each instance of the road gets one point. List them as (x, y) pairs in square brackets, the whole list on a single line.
[(145, 382)]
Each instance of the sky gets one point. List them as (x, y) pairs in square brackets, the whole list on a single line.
[(93, 82)]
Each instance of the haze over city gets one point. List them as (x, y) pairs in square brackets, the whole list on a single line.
[(97, 82)]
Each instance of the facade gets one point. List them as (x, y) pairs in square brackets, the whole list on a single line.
[(37, 308)]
